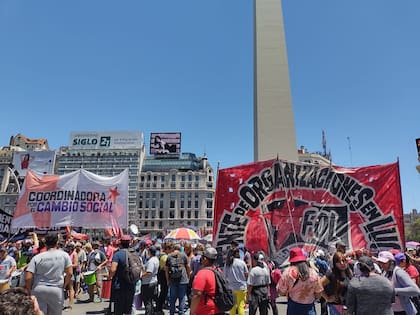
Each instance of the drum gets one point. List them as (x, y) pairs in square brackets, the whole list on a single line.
[(106, 288), (15, 278), (4, 285), (90, 277)]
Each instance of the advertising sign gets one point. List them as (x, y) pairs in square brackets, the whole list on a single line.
[(418, 147), (79, 198), (106, 139), (275, 205), (165, 143), (39, 161)]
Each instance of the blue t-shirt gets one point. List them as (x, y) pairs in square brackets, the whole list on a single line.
[(118, 281)]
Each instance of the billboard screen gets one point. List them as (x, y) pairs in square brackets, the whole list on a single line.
[(106, 139), (418, 147), (165, 143), (39, 161)]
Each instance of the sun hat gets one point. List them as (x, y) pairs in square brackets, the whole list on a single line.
[(385, 256), (296, 255)]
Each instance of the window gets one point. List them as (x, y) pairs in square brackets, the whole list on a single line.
[(209, 214), (146, 214), (189, 214), (189, 177), (197, 178), (149, 177), (172, 204), (152, 223), (147, 195), (147, 204), (145, 224), (189, 204), (182, 203), (160, 214), (196, 214), (209, 203), (209, 195), (153, 203), (196, 204), (155, 178), (209, 224), (172, 195), (182, 214), (183, 178), (162, 178), (196, 185), (160, 203), (140, 203), (172, 214), (173, 177)]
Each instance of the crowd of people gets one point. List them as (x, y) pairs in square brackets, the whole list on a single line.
[(179, 276)]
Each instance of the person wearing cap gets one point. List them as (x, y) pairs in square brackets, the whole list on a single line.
[(404, 288), (204, 286), (69, 248), (149, 281), (386, 261), (300, 284), (258, 282), (410, 268), (122, 292), (48, 274), (370, 293), (7, 266)]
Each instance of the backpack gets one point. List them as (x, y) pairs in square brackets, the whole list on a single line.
[(174, 263), (133, 267), (224, 298)]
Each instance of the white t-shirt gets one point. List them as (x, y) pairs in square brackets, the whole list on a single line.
[(5, 266), (48, 267)]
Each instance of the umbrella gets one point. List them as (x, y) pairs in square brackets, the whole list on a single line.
[(182, 234)]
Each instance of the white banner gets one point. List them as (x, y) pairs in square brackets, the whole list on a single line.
[(79, 198)]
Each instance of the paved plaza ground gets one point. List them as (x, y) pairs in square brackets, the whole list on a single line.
[(100, 308)]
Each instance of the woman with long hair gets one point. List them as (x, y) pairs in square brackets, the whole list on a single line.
[(335, 283), (236, 272), (300, 284)]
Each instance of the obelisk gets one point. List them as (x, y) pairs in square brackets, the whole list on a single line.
[(274, 126)]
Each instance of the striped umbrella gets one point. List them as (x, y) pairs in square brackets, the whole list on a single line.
[(182, 234)]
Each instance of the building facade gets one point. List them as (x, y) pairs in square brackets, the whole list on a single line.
[(174, 192), (109, 159)]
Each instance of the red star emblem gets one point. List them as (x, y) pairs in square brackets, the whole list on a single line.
[(113, 194)]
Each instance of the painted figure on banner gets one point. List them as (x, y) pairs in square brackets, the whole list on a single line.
[(276, 205)]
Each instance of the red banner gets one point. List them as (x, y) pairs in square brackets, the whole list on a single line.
[(275, 205)]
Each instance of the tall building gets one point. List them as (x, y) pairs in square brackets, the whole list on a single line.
[(106, 154), (274, 127), (175, 191), (10, 177)]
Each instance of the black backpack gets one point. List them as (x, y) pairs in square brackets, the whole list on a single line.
[(224, 298), (175, 264), (133, 267)]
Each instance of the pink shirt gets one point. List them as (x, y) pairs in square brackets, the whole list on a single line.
[(302, 292)]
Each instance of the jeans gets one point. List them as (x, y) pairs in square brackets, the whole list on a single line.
[(177, 291), (294, 308), (149, 295)]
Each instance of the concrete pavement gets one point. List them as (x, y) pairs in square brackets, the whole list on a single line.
[(80, 308)]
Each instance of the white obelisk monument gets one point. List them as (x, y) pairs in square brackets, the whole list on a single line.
[(274, 126)]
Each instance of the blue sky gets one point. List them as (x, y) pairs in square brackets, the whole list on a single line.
[(187, 66)]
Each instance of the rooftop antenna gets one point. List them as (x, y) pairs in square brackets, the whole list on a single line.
[(351, 155), (324, 143)]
